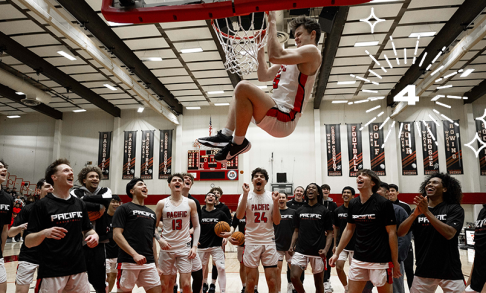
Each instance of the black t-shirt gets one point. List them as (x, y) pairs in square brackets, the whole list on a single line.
[(6, 208), (209, 220), (62, 257), (404, 205), (241, 224), (340, 221), (312, 222), (437, 257), (111, 247), (478, 277), (26, 254), (224, 208), (198, 207), (138, 223), (295, 204), (371, 218), (285, 230)]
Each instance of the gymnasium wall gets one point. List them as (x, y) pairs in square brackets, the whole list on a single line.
[(27, 145)]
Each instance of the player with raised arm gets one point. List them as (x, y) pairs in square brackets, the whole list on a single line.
[(283, 237), (262, 212), (293, 73), (373, 220), (28, 257), (134, 232), (176, 212), (436, 223), (311, 239), (58, 224), (340, 221), (210, 244)]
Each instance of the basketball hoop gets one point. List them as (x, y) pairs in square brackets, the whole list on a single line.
[(241, 45)]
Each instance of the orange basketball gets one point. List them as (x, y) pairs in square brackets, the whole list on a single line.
[(93, 216), (240, 237), (221, 227)]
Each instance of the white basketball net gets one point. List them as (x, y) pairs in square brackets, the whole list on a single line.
[(241, 46)]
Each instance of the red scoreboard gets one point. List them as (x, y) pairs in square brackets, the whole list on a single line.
[(203, 166)]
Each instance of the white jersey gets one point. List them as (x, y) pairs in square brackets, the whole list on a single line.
[(176, 220), (291, 92), (259, 219)]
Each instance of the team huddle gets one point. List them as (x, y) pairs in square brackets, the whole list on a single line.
[(75, 237)]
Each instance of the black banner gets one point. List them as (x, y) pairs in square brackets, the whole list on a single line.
[(453, 149), (355, 149), (407, 147), (104, 153), (129, 148), (429, 147), (333, 141), (377, 150), (481, 129), (147, 162), (165, 156)]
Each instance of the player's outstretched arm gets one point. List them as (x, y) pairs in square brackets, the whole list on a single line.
[(278, 55), (240, 211), (13, 231), (335, 233), (197, 228), (91, 238), (263, 72), (345, 238), (123, 244), (295, 236), (393, 242)]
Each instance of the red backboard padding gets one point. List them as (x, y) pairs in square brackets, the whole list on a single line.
[(205, 11)]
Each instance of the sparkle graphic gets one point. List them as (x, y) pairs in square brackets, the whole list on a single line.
[(482, 143), (372, 16)]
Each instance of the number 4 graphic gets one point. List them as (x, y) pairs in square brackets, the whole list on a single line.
[(411, 98)]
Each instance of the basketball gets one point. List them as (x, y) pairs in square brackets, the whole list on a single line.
[(93, 216), (221, 227), (240, 237)]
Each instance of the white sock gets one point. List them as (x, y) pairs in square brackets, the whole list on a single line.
[(238, 139), (227, 131)]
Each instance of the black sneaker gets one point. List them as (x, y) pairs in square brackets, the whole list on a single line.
[(232, 150), (218, 141), (212, 288), (243, 290), (205, 288), (256, 290), (175, 288)]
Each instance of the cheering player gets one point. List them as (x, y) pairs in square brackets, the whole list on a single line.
[(340, 221), (261, 210), (311, 239), (57, 224), (373, 220), (210, 243), (436, 223), (176, 211), (283, 236), (134, 232), (28, 257)]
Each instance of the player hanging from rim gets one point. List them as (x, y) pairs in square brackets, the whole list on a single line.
[(58, 224), (261, 210), (218, 193), (111, 247), (293, 73), (134, 232), (311, 239), (340, 221), (176, 211), (283, 237), (477, 279), (298, 199), (436, 223), (210, 244), (240, 249), (97, 199), (28, 257), (5, 220), (373, 220)]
